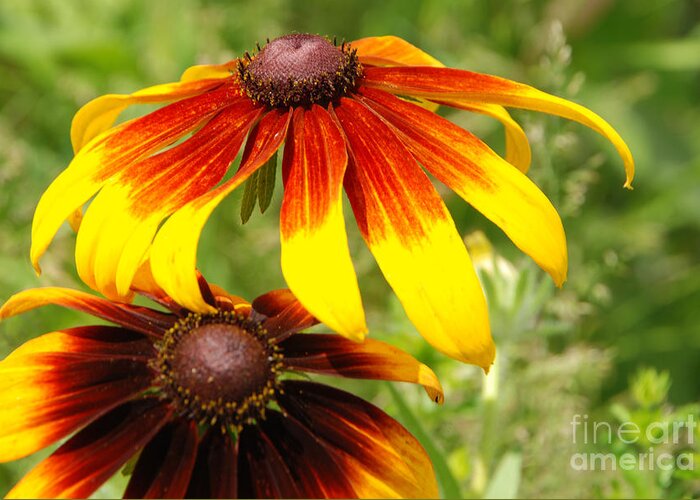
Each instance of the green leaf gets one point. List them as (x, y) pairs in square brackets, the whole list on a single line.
[(250, 196), (506, 480), (266, 183)]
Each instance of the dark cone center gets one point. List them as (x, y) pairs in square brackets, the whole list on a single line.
[(220, 361), (297, 57), (299, 70)]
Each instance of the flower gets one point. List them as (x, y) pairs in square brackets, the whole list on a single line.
[(356, 116), (207, 402)]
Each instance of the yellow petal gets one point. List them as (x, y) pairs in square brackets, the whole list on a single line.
[(315, 257), (447, 84), (486, 181)]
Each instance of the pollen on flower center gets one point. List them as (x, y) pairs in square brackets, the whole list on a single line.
[(298, 70), (218, 369)]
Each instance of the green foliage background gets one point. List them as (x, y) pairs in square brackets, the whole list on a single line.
[(619, 342)]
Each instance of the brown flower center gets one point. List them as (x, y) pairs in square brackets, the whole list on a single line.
[(298, 70), (218, 368)]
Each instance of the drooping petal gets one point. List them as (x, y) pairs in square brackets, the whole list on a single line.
[(93, 455), (380, 457), (391, 51), (394, 51), (120, 224), (411, 234), (215, 473), (312, 466), (174, 251), (111, 152), (285, 314), (164, 466), (262, 472), (468, 166), (140, 319), (315, 257), (100, 114), (454, 85), (370, 359), (61, 381), (518, 152)]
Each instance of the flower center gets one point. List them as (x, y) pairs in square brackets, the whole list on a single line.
[(298, 70), (218, 368)]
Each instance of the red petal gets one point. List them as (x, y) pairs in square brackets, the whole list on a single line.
[(379, 457), (262, 472), (93, 455), (59, 382), (174, 251), (315, 256), (140, 319), (370, 359), (411, 234), (285, 314), (312, 466), (215, 472), (447, 84), (486, 181), (164, 467)]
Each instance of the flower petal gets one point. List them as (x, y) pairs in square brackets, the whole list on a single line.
[(61, 381), (93, 455), (209, 71), (215, 472), (285, 314), (315, 257), (110, 153), (518, 152), (165, 465), (262, 472), (312, 466), (451, 85), (140, 319), (391, 51), (174, 250), (371, 359), (378, 455), (468, 166), (100, 114), (120, 223), (411, 234)]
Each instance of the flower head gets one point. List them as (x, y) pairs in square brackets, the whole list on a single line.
[(355, 116), (208, 402)]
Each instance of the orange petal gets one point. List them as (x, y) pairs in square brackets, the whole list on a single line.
[(100, 114), (112, 152), (315, 257), (165, 465), (376, 453), (59, 382), (467, 165), (391, 51), (174, 251), (119, 226), (411, 234), (285, 314), (452, 85), (93, 455), (140, 319), (370, 359)]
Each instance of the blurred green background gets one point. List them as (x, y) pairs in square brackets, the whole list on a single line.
[(619, 342)]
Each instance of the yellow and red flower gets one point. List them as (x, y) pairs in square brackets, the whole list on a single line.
[(208, 402), (355, 118)]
